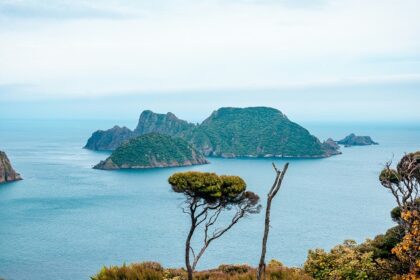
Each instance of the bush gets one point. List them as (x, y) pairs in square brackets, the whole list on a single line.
[(152, 271)]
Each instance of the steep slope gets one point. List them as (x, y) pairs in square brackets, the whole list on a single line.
[(149, 122), (108, 140), (167, 124), (150, 151), (7, 173), (254, 132)]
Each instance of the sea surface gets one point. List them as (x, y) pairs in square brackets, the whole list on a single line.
[(66, 220)]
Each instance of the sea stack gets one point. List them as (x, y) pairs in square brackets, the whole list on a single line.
[(7, 173)]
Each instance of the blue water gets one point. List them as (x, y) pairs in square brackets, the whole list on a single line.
[(66, 220)]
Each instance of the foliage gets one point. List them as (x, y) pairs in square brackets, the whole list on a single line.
[(255, 131), (408, 250), (207, 196), (209, 186), (153, 147), (141, 271), (151, 271), (403, 182), (344, 261), (393, 255)]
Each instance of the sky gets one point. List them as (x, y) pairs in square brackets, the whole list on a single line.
[(342, 60)]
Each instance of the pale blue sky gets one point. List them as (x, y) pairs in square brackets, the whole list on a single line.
[(348, 60)]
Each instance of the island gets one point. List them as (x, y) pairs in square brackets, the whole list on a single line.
[(354, 140), (7, 173), (228, 132), (109, 140), (152, 150)]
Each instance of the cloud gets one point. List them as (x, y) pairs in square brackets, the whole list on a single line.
[(73, 9), (85, 48)]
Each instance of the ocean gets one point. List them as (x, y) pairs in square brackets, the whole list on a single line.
[(66, 220)]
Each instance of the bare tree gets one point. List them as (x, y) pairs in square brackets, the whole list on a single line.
[(272, 193), (207, 196)]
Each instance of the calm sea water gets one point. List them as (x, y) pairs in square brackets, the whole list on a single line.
[(66, 220)]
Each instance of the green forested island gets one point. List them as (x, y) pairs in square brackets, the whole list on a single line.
[(227, 132), (152, 150)]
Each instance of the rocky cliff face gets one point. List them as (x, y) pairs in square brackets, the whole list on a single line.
[(109, 140), (7, 173), (167, 124), (331, 147), (149, 122), (353, 140)]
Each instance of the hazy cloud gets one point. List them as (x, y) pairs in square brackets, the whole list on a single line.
[(65, 49)]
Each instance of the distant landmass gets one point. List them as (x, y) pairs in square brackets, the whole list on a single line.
[(227, 132), (7, 173), (354, 140), (152, 150), (109, 140)]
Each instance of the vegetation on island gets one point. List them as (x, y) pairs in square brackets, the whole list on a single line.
[(254, 132), (355, 140), (228, 132), (152, 150), (394, 255)]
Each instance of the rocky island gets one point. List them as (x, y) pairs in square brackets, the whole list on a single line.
[(152, 150), (227, 132), (109, 140), (7, 173), (255, 132), (354, 140)]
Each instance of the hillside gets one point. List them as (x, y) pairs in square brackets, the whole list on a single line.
[(150, 151), (255, 132), (228, 132), (149, 122)]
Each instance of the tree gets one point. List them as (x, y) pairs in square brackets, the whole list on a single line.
[(403, 182), (207, 195), (273, 191)]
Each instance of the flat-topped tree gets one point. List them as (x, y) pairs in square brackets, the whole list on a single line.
[(207, 196)]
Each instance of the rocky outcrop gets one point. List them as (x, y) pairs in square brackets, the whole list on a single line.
[(152, 150), (7, 173), (149, 122), (331, 147), (354, 140), (167, 124), (109, 140)]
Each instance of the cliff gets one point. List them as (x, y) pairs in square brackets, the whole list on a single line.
[(167, 124), (7, 173), (149, 122)]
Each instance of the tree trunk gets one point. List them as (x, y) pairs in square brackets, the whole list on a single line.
[(187, 251), (273, 191)]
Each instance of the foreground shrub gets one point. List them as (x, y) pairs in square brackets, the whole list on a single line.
[(136, 271), (152, 271)]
